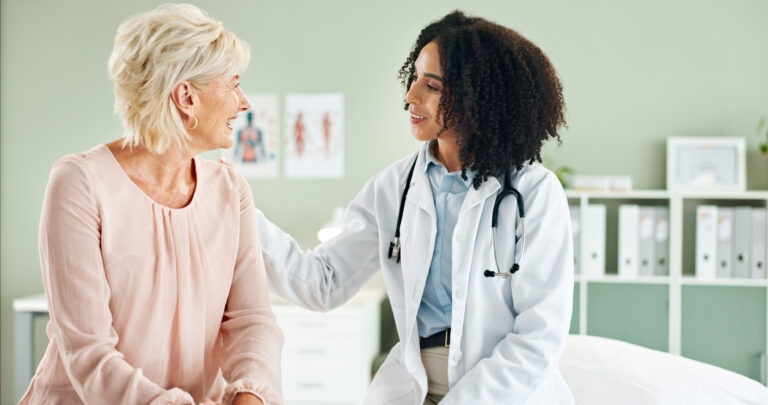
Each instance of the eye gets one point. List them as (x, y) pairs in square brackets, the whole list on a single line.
[(237, 84), (432, 88)]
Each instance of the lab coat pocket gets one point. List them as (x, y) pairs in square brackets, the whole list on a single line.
[(393, 384)]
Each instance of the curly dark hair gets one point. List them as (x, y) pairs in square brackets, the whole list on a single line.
[(500, 93)]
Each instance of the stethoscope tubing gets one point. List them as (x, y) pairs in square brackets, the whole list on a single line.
[(507, 189)]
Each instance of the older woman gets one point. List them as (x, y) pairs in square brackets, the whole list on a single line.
[(150, 255)]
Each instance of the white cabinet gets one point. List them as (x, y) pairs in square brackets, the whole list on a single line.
[(327, 356)]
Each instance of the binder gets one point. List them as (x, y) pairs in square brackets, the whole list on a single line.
[(575, 231), (646, 244), (594, 241), (724, 242), (629, 221), (759, 243), (661, 241), (706, 241), (742, 235)]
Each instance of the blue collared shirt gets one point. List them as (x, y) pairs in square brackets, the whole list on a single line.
[(448, 191)]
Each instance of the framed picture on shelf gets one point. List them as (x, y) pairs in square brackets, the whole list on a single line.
[(706, 164)]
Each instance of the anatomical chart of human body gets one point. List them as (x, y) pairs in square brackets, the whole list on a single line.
[(314, 135), (255, 150)]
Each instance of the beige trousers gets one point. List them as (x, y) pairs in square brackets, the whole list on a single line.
[(435, 360)]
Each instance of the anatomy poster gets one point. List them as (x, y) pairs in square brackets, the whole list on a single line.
[(255, 150), (314, 135)]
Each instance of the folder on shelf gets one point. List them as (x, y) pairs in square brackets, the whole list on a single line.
[(742, 235), (724, 242), (575, 231), (594, 241), (629, 221), (645, 253), (661, 241), (759, 243), (706, 241)]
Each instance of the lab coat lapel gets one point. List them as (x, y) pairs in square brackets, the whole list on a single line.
[(489, 188), (465, 234), (421, 240), (421, 192)]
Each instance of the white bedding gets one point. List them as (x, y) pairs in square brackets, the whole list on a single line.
[(606, 371)]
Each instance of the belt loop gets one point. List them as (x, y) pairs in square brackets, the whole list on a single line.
[(448, 337)]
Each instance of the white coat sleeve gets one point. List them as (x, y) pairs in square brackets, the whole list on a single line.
[(325, 277), (542, 297)]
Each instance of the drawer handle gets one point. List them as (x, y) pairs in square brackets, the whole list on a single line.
[(312, 324), (311, 385), (311, 351)]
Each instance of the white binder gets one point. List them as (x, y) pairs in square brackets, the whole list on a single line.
[(742, 235), (661, 241), (724, 242), (646, 256), (629, 220), (575, 231), (706, 241), (594, 241), (759, 243)]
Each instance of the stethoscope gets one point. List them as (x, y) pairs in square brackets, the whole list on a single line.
[(507, 189)]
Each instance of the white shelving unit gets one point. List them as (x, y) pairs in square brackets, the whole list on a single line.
[(676, 279)]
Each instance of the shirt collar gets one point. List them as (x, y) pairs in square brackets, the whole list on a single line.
[(432, 161)]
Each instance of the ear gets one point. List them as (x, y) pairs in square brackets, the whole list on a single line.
[(184, 97)]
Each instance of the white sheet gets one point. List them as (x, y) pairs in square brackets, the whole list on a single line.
[(606, 371)]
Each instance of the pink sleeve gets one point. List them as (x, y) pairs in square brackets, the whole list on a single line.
[(252, 340), (78, 297)]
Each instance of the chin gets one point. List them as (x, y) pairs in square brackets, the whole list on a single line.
[(421, 136), (226, 143)]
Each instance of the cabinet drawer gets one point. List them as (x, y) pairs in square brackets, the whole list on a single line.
[(316, 355), (318, 325), (325, 387)]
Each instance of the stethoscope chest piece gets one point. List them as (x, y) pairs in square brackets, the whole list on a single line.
[(394, 249)]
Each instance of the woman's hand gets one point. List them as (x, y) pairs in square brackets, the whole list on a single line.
[(246, 398)]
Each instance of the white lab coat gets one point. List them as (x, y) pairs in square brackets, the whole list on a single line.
[(507, 334)]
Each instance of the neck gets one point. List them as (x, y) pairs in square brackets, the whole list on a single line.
[(169, 170), (446, 150)]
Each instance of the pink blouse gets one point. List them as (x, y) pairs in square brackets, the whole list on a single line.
[(149, 304)]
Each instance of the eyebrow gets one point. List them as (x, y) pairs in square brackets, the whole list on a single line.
[(434, 76)]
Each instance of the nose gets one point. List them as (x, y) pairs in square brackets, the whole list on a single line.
[(244, 104), (412, 95)]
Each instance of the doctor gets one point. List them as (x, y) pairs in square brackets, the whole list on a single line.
[(483, 99)]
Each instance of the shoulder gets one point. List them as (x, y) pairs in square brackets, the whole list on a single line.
[(396, 173), (80, 167), (79, 177), (223, 179), (535, 181)]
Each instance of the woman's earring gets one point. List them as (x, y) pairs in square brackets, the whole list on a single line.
[(194, 126)]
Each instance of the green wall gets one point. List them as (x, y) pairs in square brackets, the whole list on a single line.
[(633, 74)]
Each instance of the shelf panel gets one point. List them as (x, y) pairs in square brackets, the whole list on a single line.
[(666, 194), (725, 282), (633, 194), (686, 280), (711, 195), (615, 279), (725, 326), (636, 314)]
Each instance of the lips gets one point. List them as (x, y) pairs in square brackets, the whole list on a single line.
[(415, 118), (229, 122)]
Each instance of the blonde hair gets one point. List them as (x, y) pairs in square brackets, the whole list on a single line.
[(155, 51)]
